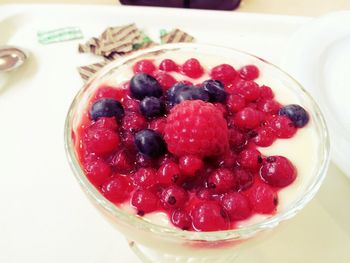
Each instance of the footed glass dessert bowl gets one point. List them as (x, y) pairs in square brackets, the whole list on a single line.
[(240, 197)]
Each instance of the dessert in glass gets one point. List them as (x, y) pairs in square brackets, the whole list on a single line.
[(195, 152)]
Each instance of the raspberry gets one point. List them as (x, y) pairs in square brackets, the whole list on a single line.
[(208, 216), (249, 72), (168, 173), (133, 122), (122, 161), (221, 108), (247, 118), (144, 66), (224, 73), (235, 103), (249, 90), (174, 197), (196, 128), (265, 137), (168, 65), (250, 159), (144, 178), (236, 205), (97, 171), (190, 165), (117, 189), (158, 125), (278, 171), (268, 106), (221, 181), (282, 126), (144, 201), (192, 68), (181, 219), (106, 91), (262, 198), (165, 80)]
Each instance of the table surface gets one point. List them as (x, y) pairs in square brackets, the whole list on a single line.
[(284, 7)]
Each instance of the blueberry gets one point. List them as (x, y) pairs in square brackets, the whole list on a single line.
[(106, 107), (150, 143), (152, 107), (215, 90), (191, 93), (171, 93), (143, 85), (297, 114)]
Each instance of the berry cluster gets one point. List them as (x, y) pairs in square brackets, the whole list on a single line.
[(189, 150)]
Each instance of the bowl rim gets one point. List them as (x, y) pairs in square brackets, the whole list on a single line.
[(139, 223)]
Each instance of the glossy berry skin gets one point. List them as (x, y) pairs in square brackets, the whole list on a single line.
[(117, 189), (247, 118), (190, 165), (297, 114), (191, 93), (243, 178), (152, 107), (97, 171), (208, 216), (278, 171), (168, 173), (143, 85), (236, 206), (144, 178), (249, 72), (144, 201), (181, 219), (110, 92), (192, 68), (265, 137), (249, 90), (235, 103), (106, 107), (250, 159), (144, 66), (168, 65), (192, 121), (165, 80), (122, 161), (282, 126), (262, 198), (158, 125), (215, 89), (224, 73), (133, 122), (172, 92), (173, 197), (150, 143), (221, 181)]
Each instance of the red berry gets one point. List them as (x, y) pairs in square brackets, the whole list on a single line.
[(236, 138), (221, 180), (145, 178), (128, 139), (244, 178), (158, 125), (265, 137), (278, 171), (208, 216), (106, 91), (144, 161), (117, 189), (144, 201), (235, 103), (174, 197), (144, 66), (224, 72), (133, 122), (262, 198), (168, 65), (192, 68), (221, 108), (168, 173), (268, 106), (205, 194), (122, 161), (190, 165), (247, 118), (249, 72), (282, 126), (165, 80), (236, 205), (250, 159), (227, 160), (131, 104), (181, 219), (266, 92), (106, 123), (249, 90), (190, 130), (97, 171)]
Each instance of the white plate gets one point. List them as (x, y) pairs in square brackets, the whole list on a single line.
[(44, 215), (318, 55)]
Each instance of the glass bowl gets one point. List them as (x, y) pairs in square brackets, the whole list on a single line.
[(156, 243)]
